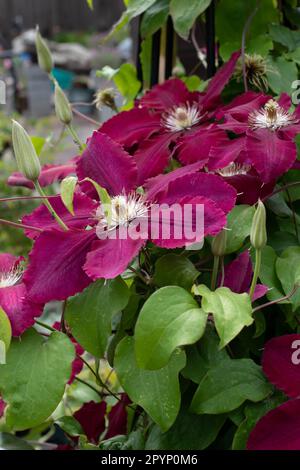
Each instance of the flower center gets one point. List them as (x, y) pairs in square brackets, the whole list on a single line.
[(181, 117), (122, 210), (271, 116), (234, 169), (11, 278)]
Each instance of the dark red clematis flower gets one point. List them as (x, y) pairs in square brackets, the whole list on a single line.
[(170, 120), (279, 429), (77, 364), (91, 416), (238, 276), (13, 295), (265, 132), (2, 407), (117, 418), (63, 263), (49, 175)]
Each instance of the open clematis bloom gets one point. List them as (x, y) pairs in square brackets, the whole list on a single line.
[(238, 276), (63, 263), (279, 429), (170, 120), (265, 130), (49, 174), (13, 295)]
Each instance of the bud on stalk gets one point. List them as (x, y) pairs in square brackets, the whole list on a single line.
[(43, 52), (26, 156), (62, 106), (258, 233), (218, 246)]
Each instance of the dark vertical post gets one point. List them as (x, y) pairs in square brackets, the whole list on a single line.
[(139, 70), (155, 58), (169, 48), (210, 39)]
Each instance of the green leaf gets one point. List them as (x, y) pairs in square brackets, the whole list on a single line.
[(281, 73), (175, 270), (184, 14), (38, 143), (90, 4), (288, 272), (70, 425), (145, 58), (10, 442), (90, 313), (226, 386), (192, 82), (239, 224), (67, 190), (5, 334), (157, 392), (168, 319), (189, 432), (231, 311), (33, 380), (203, 356), (155, 17), (103, 196), (125, 79), (285, 36)]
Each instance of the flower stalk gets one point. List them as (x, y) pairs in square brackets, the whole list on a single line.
[(49, 206)]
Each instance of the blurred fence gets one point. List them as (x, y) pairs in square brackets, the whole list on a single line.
[(68, 15)]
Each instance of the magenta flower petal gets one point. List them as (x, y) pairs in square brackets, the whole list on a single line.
[(8, 262), (117, 418), (259, 291), (175, 231), (20, 311), (109, 258), (108, 164), (270, 155), (250, 188), (238, 273), (171, 93), (200, 184), (279, 429), (195, 145), (84, 207), (55, 269), (2, 407), (225, 151), (49, 175), (281, 365), (92, 419), (153, 157), (130, 127), (160, 183), (219, 81)]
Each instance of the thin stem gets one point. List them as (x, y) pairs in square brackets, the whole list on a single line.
[(293, 213), (22, 226), (88, 385), (140, 275), (86, 118), (49, 206), (277, 301), (44, 325), (222, 272), (245, 30), (75, 137), (25, 198), (282, 188), (256, 272), (215, 272)]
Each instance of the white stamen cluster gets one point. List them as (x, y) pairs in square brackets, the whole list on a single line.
[(234, 169), (181, 117), (122, 210), (271, 116), (11, 277)]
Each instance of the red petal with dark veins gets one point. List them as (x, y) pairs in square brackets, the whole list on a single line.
[(270, 155), (117, 418), (250, 188), (163, 97), (224, 152), (281, 363), (153, 157), (84, 210), (278, 430), (108, 164), (195, 145), (55, 269), (108, 258), (8, 262), (130, 127), (92, 419)]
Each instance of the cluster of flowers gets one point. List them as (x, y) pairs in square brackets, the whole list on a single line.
[(174, 146)]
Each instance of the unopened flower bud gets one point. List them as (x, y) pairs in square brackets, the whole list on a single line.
[(258, 234), (43, 53), (218, 246), (105, 97), (25, 153), (62, 106)]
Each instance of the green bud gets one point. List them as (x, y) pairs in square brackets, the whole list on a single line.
[(26, 156), (62, 106), (258, 234), (218, 246), (43, 53)]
